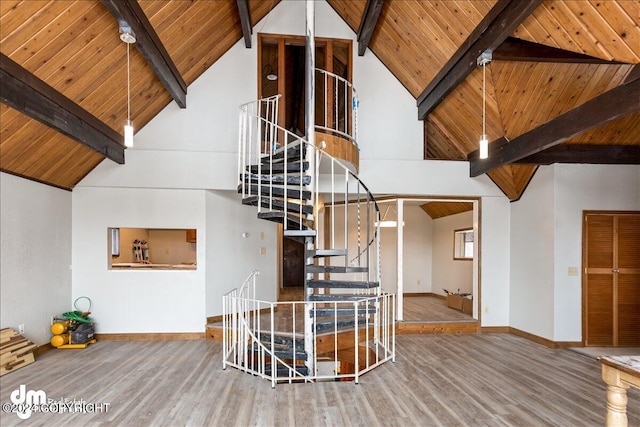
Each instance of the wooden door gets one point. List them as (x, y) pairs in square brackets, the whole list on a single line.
[(292, 263), (628, 275), (611, 292)]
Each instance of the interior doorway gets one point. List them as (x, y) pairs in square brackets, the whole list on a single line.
[(292, 263)]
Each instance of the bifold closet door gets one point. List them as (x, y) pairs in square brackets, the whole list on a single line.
[(612, 279), (628, 275)]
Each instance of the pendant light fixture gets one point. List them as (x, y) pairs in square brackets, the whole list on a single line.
[(127, 35), (483, 60)]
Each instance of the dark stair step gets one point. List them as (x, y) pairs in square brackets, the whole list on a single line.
[(293, 221), (335, 269), (324, 253), (265, 190), (342, 311), (292, 167), (281, 351), (282, 340), (277, 204), (277, 179), (340, 324), (283, 371), (341, 284), (292, 150), (339, 297)]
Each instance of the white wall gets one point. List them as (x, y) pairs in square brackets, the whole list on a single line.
[(231, 257), (35, 278), (418, 250), (144, 301), (448, 273), (546, 227), (532, 257)]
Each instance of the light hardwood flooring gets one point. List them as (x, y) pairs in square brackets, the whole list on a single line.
[(430, 309), (438, 380)]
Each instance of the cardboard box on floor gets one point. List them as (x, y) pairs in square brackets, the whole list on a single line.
[(460, 303)]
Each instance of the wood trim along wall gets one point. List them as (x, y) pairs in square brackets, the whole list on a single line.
[(217, 319), (544, 341), (424, 294), (42, 349), (433, 328), (161, 336)]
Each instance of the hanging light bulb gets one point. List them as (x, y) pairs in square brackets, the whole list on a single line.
[(484, 147), (483, 60), (127, 36)]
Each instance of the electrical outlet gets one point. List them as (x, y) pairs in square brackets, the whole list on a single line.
[(21, 328)]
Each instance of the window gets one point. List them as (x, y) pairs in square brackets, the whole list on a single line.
[(463, 244)]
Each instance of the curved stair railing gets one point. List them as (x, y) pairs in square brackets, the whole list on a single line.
[(321, 202)]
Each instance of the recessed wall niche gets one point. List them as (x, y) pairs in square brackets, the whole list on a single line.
[(151, 248)]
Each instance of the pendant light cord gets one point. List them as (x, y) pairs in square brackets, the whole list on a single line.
[(484, 76), (128, 88)]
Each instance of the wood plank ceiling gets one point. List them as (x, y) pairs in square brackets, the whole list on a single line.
[(74, 47), (416, 38)]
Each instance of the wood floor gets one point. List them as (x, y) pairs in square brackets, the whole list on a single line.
[(430, 309), (438, 380)]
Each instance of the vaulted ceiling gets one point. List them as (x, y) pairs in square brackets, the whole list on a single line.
[(563, 84)]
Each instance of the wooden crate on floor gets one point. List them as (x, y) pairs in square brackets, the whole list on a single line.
[(15, 351)]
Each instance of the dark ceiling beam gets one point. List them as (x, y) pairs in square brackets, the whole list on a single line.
[(368, 24), (614, 104), (586, 154), (245, 21), (150, 47), (501, 21), (31, 96), (634, 74), (513, 49)]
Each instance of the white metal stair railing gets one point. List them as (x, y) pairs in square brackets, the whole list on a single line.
[(338, 104), (250, 340), (286, 178)]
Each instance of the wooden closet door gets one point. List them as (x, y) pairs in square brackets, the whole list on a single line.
[(612, 279), (627, 271), (599, 284)]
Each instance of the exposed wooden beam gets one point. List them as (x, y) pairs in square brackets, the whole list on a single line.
[(585, 153), (368, 24), (513, 49), (26, 93), (634, 74), (611, 105), (129, 13), (245, 21), (503, 18)]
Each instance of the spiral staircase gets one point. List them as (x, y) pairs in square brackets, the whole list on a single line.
[(345, 325)]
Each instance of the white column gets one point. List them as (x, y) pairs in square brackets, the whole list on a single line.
[(400, 254)]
